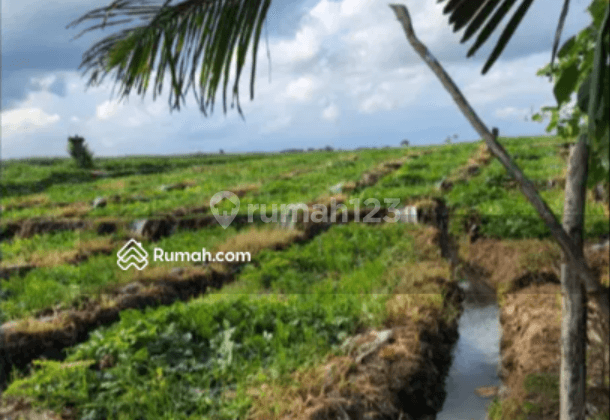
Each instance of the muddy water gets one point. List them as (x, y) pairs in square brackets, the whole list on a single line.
[(475, 357)]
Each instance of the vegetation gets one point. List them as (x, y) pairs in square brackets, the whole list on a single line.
[(287, 310), (137, 185), (74, 264), (80, 152), (200, 358), (572, 74)]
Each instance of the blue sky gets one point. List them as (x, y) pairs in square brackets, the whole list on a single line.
[(342, 74)]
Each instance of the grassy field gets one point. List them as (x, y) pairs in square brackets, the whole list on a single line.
[(284, 313)]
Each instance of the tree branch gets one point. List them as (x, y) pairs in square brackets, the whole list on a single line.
[(571, 250)]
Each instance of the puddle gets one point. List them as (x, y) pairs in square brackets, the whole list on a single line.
[(476, 357)]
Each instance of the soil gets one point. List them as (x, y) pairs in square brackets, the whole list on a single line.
[(400, 379), (526, 275)]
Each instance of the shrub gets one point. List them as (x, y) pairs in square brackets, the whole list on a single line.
[(79, 152)]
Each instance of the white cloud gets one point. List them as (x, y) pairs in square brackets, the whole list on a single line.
[(304, 47), (276, 124), (508, 80), (326, 13), (26, 119), (331, 113), (107, 109), (43, 83), (377, 102), (301, 89), (510, 112), (345, 58)]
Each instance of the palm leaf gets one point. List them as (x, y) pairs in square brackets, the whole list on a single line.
[(562, 19), (484, 17), (204, 35)]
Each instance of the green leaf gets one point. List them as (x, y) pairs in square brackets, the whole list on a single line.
[(567, 47), (566, 84)]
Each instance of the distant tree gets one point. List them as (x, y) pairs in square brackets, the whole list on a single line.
[(221, 152), (404, 143), (448, 140), (328, 149), (80, 152)]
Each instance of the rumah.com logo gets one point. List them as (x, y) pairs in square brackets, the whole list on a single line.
[(133, 254)]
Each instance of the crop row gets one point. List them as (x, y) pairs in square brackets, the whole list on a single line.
[(285, 314), (142, 195), (492, 201)]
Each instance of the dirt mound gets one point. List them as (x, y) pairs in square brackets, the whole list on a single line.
[(30, 227), (504, 261), (481, 158), (531, 352), (47, 337), (531, 326), (395, 374)]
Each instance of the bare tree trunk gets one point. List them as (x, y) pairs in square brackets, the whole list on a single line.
[(577, 278), (574, 307), (571, 251)]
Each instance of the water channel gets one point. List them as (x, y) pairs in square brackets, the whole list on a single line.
[(476, 356)]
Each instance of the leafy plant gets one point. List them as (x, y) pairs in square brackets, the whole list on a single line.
[(80, 152), (576, 74)]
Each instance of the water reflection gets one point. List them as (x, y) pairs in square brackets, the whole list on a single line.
[(475, 358)]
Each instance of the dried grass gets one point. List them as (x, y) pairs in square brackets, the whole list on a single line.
[(118, 184), (28, 201), (339, 386), (76, 209), (83, 251)]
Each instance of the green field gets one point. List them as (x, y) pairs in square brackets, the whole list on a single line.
[(287, 310)]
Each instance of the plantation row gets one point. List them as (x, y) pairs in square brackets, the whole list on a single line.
[(205, 357), (45, 285), (67, 265), (53, 284), (154, 194)]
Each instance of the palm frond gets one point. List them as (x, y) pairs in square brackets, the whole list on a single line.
[(562, 19), (205, 35), (487, 14)]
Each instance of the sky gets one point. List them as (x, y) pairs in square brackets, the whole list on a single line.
[(341, 73)]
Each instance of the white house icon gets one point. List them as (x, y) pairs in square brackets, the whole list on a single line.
[(134, 254)]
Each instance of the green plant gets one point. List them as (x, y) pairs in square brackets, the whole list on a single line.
[(575, 68), (80, 152)]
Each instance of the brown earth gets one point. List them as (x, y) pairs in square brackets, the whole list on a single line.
[(66, 217), (525, 274), (481, 158), (400, 377)]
